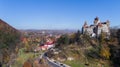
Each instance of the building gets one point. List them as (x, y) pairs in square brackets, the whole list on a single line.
[(97, 28)]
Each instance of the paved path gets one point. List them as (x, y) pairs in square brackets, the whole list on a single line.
[(48, 62), (53, 63)]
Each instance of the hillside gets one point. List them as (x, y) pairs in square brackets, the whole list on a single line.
[(80, 50), (9, 38)]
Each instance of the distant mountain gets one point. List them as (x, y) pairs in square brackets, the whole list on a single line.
[(117, 27), (49, 31), (9, 37)]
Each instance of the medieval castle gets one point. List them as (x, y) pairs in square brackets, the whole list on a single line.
[(97, 28)]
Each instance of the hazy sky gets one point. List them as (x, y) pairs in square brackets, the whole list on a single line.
[(58, 14)]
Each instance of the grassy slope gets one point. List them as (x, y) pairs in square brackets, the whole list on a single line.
[(22, 57), (80, 59)]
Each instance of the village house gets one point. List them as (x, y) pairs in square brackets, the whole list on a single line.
[(97, 28)]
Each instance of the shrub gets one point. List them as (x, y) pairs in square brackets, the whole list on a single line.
[(105, 52)]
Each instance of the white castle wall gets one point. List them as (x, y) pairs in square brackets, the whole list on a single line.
[(97, 29)]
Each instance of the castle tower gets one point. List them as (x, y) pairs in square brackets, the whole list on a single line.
[(85, 24), (84, 27), (96, 21), (108, 23)]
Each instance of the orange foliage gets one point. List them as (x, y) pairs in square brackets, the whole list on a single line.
[(27, 64)]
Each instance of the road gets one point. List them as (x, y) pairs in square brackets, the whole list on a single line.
[(52, 63)]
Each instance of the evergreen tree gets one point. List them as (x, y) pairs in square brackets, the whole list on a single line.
[(118, 35), (77, 37)]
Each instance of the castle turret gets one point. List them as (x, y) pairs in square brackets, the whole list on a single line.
[(108, 23), (96, 21), (85, 24), (84, 27)]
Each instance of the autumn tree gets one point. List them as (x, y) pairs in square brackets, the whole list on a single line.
[(103, 47), (9, 37)]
